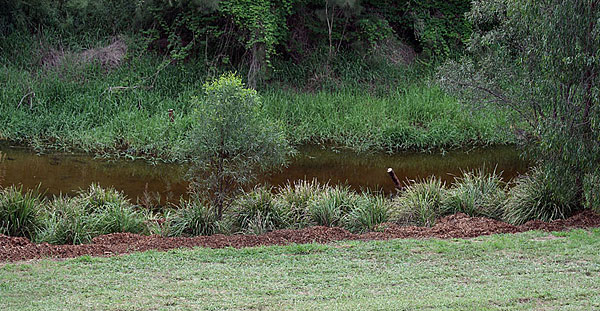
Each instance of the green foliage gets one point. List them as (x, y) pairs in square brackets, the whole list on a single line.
[(66, 221), (96, 198), (193, 217), (439, 27), (231, 140), (114, 218), (257, 212), (539, 59), (591, 188), (330, 207), (294, 199), (476, 193), (74, 109), (540, 195), (94, 211), (19, 211), (374, 30), (419, 203), (373, 210)]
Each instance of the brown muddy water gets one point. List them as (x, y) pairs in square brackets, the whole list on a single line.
[(66, 173)]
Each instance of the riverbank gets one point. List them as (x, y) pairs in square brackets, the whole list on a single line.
[(449, 227), (123, 111)]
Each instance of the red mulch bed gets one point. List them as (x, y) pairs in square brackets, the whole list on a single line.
[(454, 226)]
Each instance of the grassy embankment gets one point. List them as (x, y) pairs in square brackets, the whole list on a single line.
[(528, 271), (367, 105)]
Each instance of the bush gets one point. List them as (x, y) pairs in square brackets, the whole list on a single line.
[(66, 221), (19, 211), (257, 212), (420, 203), (193, 218), (476, 194), (539, 195), (372, 210), (232, 141)]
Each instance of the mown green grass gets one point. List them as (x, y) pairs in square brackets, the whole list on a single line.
[(365, 106), (529, 271)]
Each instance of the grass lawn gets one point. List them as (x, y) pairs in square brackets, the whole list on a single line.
[(533, 270)]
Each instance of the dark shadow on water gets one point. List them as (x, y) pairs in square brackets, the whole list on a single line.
[(66, 173)]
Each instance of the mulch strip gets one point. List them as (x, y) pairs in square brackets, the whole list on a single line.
[(454, 226)]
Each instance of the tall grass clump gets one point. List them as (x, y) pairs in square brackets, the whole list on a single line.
[(372, 209), (19, 211), (539, 195), (294, 198), (591, 188), (476, 193), (96, 198), (330, 207), (194, 217), (257, 212), (111, 211), (420, 203), (66, 221)]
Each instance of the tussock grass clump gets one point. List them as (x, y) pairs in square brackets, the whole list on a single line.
[(591, 189), (476, 193), (257, 211), (111, 211), (19, 211), (96, 198), (294, 198), (539, 195), (329, 207), (115, 218), (306, 203), (420, 203), (194, 217), (94, 211), (372, 210), (66, 221)]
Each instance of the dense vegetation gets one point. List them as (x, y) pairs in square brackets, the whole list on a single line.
[(101, 75), (96, 211), (126, 78), (541, 59)]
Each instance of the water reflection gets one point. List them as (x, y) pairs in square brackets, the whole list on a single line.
[(66, 173)]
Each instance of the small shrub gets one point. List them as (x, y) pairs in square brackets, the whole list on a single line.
[(420, 203), (476, 194), (66, 222), (256, 212), (331, 205), (539, 195), (193, 218), (372, 211), (232, 141), (19, 211)]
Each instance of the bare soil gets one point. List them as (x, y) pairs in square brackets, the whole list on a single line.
[(109, 57), (454, 226)]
